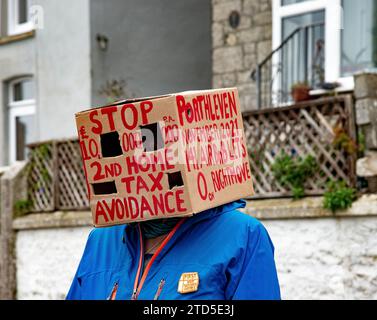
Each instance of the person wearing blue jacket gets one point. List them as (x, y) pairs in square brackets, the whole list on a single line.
[(218, 254)]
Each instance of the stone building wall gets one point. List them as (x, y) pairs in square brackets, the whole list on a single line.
[(366, 119), (236, 52)]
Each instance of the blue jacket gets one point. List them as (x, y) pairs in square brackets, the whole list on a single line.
[(231, 251)]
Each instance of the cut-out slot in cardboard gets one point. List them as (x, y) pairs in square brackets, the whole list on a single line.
[(110, 144), (151, 137), (175, 179), (104, 188)]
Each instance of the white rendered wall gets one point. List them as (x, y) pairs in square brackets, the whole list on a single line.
[(330, 258), (47, 260)]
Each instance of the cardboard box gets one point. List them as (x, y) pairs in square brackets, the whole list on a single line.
[(165, 156)]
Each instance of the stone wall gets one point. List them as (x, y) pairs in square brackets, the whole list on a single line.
[(12, 190), (237, 51), (366, 119)]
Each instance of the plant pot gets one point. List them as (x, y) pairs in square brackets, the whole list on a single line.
[(300, 94)]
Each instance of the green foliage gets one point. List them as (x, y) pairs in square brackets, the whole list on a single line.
[(338, 196), (255, 156), (361, 141), (21, 207), (293, 172), (342, 141), (41, 151)]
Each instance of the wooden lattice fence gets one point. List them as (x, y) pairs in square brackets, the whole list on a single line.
[(300, 130), (56, 178)]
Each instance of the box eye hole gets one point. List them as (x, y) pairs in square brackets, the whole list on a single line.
[(104, 188), (175, 179), (110, 145), (151, 137)]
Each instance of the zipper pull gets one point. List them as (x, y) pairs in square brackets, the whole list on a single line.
[(160, 286), (134, 295), (113, 292)]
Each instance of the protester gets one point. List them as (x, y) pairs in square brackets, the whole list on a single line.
[(230, 251), (171, 229)]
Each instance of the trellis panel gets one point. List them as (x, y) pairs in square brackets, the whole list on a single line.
[(40, 179), (56, 179), (300, 130), (71, 184)]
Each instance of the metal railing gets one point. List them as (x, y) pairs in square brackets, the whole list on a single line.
[(298, 59)]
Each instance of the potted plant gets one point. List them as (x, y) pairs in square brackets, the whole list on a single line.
[(300, 91)]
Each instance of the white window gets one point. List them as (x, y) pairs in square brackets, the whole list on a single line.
[(347, 34), (358, 37), (19, 17), (21, 111)]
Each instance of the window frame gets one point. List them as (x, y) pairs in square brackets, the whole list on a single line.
[(17, 109), (333, 26), (14, 27)]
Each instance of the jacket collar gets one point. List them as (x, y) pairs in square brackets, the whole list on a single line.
[(212, 213), (188, 223), (204, 215)]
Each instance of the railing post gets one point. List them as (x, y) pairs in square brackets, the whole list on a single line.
[(259, 86), (306, 53)]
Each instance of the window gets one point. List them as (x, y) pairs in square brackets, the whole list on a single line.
[(358, 40), (299, 66), (19, 17), (21, 111), (289, 24), (287, 2), (336, 44)]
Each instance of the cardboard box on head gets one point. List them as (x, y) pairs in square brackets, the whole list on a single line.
[(167, 156)]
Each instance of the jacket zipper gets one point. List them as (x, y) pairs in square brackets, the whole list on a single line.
[(114, 291), (138, 285), (158, 292), (140, 265)]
